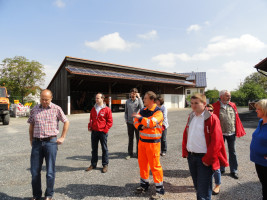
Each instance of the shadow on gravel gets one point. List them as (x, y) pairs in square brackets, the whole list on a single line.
[(4, 196), (178, 189), (79, 158), (180, 173), (63, 169), (244, 191), (80, 191), (249, 119), (111, 155)]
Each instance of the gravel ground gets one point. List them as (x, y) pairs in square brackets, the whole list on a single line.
[(72, 182)]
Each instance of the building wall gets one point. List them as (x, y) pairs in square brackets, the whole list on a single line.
[(193, 91), (174, 100), (59, 88)]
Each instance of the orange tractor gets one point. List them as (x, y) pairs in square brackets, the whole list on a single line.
[(4, 106)]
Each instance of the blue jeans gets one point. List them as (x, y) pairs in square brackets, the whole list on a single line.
[(40, 151), (202, 177), (97, 136), (217, 176), (164, 141), (232, 153)]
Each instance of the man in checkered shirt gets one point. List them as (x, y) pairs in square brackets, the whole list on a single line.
[(44, 128)]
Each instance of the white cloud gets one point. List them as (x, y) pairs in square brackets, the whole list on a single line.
[(194, 27), (234, 68), (111, 41), (217, 38), (207, 23), (60, 3), (149, 36), (165, 60), (229, 46), (218, 46), (229, 75)]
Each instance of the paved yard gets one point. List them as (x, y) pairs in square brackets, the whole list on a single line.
[(72, 182)]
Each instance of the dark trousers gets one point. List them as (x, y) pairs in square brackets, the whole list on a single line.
[(131, 130), (202, 177), (262, 174), (97, 136), (232, 153), (164, 141), (43, 150)]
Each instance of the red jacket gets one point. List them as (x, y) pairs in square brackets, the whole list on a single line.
[(239, 129), (216, 155), (101, 122)]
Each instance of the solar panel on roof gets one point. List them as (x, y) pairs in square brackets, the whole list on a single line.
[(98, 72)]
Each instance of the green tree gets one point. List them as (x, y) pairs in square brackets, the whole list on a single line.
[(253, 91), (21, 75), (212, 95), (239, 98), (249, 91), (257, 78)]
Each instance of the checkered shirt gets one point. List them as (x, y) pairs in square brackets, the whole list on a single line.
[(46, 120)]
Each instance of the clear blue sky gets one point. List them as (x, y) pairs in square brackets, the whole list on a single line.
[(223, 38)]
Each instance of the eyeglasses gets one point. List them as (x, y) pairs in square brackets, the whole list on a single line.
[(210, 110)]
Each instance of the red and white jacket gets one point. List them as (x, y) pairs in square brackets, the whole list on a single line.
[(239, 129), (216, 155), (102, 121)]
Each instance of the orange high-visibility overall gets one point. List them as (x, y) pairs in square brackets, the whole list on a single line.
[(150, 130)]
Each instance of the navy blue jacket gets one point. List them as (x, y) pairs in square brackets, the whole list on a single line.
[(258, 146)]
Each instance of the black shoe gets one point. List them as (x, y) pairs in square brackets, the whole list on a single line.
[(234, 175), (141, 190)]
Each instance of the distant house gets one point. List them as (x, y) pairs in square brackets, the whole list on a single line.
[(199, 78)]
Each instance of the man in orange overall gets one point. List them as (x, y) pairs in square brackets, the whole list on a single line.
[(149, 123)]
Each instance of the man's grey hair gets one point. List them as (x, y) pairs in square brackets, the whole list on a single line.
[(222, 92)]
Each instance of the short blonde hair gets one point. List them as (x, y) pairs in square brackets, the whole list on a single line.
[(201, 97), (262, 105), (210, 106)]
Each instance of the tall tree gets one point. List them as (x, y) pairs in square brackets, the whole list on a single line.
[(257, 78), (22, 75), (212, 95)]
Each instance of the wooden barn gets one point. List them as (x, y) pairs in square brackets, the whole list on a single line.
[(262, 67), (78, 80)]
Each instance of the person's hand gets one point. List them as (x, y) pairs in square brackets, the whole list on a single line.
[(135, 115), (60, 140), (137, 95), (31, 142), (90, 129), (265, 157)]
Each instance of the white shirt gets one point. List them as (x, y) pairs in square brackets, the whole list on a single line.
[(98, 108), (196, 141)]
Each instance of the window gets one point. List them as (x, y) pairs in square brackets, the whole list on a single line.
[(201, 91), (188, 91)]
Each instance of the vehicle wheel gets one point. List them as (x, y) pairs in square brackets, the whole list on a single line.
[(6, 119)]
